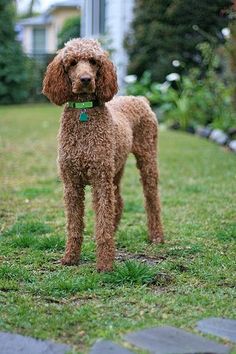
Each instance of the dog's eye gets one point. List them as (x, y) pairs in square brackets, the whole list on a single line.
[(92, 61), (73, 63)]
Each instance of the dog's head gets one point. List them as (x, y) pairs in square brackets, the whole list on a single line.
[(81, 69)]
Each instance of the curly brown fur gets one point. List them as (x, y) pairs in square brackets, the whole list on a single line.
[(95, 152)]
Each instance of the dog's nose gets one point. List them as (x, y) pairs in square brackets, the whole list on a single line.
[(85, 80)]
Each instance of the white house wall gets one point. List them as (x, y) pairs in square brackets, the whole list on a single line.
[(118, 18), (27, 39), (51, 39)]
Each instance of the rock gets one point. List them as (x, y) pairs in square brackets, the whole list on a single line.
[(191, 129), (175, 126), (108, 347), (169, 340), (221, 327), (11, 343), (203, 132), (219, 136), (232, 145), (232, 132)]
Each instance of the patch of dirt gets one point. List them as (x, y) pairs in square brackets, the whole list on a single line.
[(76, 300), (57, 262), (53, 300), (123, 256), (161, 280)]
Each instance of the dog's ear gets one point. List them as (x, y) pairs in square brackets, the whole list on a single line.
[(56, 84), (106, 85)]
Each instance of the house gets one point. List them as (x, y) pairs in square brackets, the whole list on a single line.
[(39, 34), (109, 20)]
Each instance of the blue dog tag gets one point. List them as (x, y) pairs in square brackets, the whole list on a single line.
[(83, 116)]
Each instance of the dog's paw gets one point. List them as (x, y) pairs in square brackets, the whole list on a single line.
[(157, 240), (69, 261), (102, 268)]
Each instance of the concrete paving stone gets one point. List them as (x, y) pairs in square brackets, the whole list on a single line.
[(221, 327), (108, 347), (11, 343), (169, 340)]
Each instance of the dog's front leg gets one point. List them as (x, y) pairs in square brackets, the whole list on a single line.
[(74, 203), (104, 205)]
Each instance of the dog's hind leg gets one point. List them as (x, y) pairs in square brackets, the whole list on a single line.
[(144, 149)]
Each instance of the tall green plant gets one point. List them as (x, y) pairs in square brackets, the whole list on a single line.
[(15, 72), (198, 100), (70, 30), (165, 30)]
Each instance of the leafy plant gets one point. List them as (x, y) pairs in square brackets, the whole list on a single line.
[(164, 31), (70, 29), (196, 99), (20, 76)]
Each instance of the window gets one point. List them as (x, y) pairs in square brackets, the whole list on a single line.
[(39, 41)]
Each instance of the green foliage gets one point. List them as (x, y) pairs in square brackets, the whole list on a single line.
[(70, 29), (228, 55), (7, 14), (197, 99), (18, 75), (13, 75), (167, 30)]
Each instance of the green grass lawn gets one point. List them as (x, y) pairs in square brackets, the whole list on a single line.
[(190, 277)]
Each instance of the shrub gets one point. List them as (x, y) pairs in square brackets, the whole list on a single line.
[(195, 100), (165, 30), (20, 76), (70, 29)]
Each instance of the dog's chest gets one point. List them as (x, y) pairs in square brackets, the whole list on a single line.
[(83, 145)]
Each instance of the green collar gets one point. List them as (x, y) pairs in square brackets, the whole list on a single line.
[(83, 106)]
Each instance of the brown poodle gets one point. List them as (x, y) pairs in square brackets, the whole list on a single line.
[(95, 139)]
